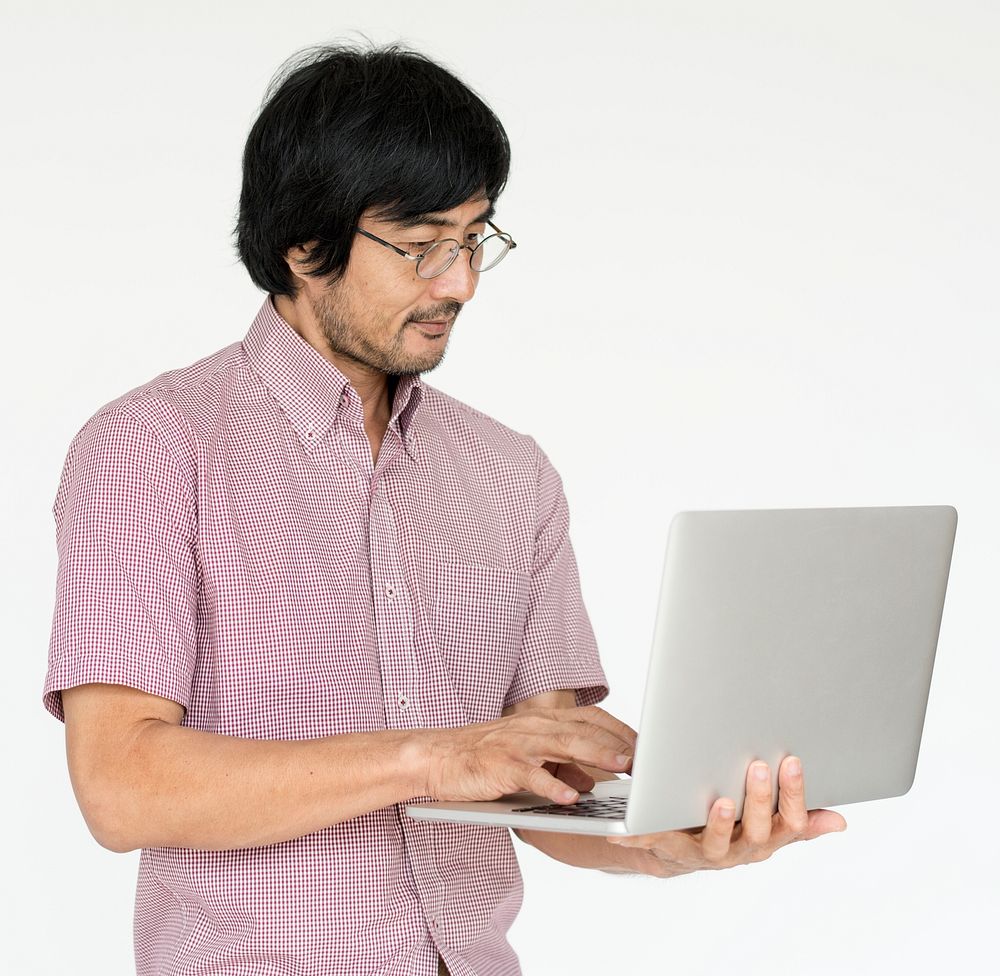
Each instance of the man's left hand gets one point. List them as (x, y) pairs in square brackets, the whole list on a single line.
[(723, 844)]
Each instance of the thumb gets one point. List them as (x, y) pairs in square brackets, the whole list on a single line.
[(823, 822)]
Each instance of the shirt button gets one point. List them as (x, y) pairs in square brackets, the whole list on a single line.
[(390, 592), (403, 702)]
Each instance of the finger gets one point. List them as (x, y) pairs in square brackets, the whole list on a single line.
[(541, 782), (792, 797), (598, 734), (573, 775), (583, 749), (564, 723), (755, 827), (717, 836), (593, 715)]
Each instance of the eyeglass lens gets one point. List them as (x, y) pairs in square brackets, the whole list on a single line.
[(491, 249), (439, 257)]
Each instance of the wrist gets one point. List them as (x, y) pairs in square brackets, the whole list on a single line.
[(629, 860), (415, 754), (639, 860)]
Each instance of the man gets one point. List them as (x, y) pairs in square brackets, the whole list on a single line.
[(298, 586)]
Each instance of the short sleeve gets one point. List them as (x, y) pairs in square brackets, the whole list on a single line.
[(126, 588), (558, 649)]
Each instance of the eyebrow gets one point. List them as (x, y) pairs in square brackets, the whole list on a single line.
[(436, 220)]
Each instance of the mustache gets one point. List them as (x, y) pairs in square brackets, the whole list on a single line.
[(446, 310)]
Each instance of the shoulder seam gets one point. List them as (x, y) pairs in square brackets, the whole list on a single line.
[(124, 409)]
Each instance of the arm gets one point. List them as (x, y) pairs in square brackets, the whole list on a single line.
[(144, 780)]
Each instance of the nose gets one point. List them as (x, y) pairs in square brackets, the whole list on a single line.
[(458, 282)]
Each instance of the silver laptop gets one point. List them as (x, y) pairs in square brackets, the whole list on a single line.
[(806, 631)]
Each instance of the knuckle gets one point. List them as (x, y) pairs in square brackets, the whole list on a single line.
[(715, 846), (536, 778), (610, 755), (797, 824), (565, 741), (756, 838), (793, 789), (755, 850)]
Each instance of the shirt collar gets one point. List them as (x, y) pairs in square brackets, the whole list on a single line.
[(310, 390)]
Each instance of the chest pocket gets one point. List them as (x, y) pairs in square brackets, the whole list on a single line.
[(479, 617)]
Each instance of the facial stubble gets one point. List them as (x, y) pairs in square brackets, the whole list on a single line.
[(338, 323)]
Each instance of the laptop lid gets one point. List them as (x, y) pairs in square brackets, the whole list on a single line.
[(810, 632)]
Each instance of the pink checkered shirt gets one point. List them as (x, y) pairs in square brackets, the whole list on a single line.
[(226, 542)]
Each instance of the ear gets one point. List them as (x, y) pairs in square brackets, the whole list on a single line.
[(298, 256)]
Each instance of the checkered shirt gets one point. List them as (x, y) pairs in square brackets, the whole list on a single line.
[(225, 541)]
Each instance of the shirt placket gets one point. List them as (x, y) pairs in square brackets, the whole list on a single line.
[(393, 630), (391, 598), (401, 688)]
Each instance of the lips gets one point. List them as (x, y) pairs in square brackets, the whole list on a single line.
[(432, 328)]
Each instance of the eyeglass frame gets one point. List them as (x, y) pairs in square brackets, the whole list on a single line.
[(511, 244)]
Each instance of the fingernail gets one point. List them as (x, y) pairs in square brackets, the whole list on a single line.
[(760, 771), (794, 767), (726, 811), (623, 760), (567, 794)]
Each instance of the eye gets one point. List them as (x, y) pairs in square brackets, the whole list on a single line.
[(415, 248)]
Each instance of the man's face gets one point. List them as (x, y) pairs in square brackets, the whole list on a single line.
[(380, 314)]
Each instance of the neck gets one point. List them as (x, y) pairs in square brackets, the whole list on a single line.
[(374, 387)]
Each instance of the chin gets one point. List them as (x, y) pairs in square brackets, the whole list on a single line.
[(423, 361), (425, 366)]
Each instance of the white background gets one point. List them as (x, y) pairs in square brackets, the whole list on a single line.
[(757, 268)]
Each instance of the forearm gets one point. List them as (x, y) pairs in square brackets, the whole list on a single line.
[(178, 787), (585, 851)]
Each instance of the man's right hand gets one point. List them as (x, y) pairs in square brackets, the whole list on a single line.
[(491, 759)]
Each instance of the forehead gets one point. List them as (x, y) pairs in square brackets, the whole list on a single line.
[(475, 210)]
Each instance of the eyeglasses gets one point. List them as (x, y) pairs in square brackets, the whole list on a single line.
[(440, 256)]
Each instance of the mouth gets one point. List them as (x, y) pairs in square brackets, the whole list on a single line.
[(435, 328)]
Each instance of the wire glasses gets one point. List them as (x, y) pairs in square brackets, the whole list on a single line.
[(440, 256)]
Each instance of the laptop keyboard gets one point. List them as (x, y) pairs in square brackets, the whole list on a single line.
[(603, 808)]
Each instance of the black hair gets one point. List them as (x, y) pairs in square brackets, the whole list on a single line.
[(344, 129)]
